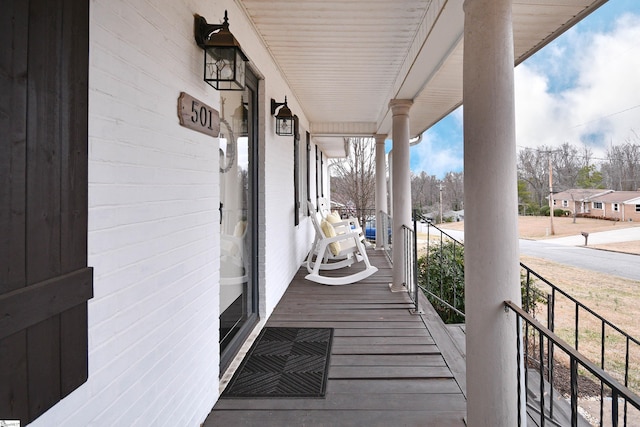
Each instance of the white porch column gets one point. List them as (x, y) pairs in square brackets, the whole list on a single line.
[(381, 189), (491, 213), (401, 185)]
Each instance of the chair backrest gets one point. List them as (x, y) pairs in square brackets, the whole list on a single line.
[(324, 206), (311, 207), (316, 220)]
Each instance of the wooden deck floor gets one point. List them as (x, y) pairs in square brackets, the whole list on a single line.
[(388, 367)]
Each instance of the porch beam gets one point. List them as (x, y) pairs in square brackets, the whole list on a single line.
[(491, 237)]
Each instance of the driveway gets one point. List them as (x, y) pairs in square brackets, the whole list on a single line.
[(599, 238), (571, 251)]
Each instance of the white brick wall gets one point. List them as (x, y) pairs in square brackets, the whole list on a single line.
[(153, 235), (154, 221)]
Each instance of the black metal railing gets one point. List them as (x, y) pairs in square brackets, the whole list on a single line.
[(623, 404), (618, 352), (409, 245), (442, 273)]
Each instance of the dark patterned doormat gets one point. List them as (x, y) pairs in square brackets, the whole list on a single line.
[(284, 362)]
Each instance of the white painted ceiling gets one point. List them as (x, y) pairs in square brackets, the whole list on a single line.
[(344, 60)]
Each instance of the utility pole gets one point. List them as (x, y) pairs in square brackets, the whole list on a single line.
[(441, 218), (550, 194)]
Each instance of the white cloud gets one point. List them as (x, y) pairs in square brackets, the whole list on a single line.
[(600, 104), (433, 160)]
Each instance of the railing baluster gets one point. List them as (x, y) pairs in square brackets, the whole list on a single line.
[(414, 278), (519, 361), (550, 370), (626, 377), (541, 352), (574, 391), (553, 309), (441, 275), (614, 408), (577, 324), (602, 336)]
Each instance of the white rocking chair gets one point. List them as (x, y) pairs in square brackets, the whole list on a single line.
[(336, 246)]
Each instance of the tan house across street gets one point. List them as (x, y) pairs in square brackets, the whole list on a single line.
[(600, 203), (577, 200), (618, 205)]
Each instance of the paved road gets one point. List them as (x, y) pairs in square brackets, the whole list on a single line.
[(615, 263), (566, 250)]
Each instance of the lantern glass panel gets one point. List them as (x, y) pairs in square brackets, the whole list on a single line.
[(224, 68), (284, 127)]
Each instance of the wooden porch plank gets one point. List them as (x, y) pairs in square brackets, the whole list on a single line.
[(385, 349), (340, 305), (359, 418), (386, 340), (386, 332), (387, 360), (388, 386), (344, 401), (341, 324), (384, 372), (357, 317)]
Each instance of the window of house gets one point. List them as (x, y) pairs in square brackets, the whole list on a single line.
[(637, 208), (597, 205), (565, 203), (616, 207)]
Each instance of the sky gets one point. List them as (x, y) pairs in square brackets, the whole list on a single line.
[(583, 88)]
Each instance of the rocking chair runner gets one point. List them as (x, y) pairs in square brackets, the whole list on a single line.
[(335, 247)]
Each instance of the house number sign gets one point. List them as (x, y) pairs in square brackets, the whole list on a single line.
[(198, 116)]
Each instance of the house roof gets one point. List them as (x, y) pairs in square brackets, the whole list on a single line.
[(580, 194), (345, 60), (618, 197)]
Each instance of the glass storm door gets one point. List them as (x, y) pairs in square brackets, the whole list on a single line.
[(238, 217)]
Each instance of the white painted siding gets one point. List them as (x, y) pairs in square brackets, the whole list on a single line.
[(154, 221)]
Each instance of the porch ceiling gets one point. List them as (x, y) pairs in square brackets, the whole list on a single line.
[(346, 59)]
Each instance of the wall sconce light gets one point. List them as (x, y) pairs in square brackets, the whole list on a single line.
[(224, 61), (240, 119), (284, 118)]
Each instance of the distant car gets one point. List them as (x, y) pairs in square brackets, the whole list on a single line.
[(370, 233)]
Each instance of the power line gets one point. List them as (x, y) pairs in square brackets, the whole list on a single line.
[(607, 116)]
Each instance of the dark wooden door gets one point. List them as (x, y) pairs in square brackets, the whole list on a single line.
[(44, 279)]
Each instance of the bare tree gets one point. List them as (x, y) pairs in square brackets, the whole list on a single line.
[(533, 168), (424, 191), (353, 178), (621, 170), (453, 187), (566, 166)]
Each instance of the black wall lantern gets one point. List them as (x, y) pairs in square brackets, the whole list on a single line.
[(284, 118), (240, 119), (224, 61)]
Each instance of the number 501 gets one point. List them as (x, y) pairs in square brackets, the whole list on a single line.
[(201, 115)]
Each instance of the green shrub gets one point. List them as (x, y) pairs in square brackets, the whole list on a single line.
[(441, 272)]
